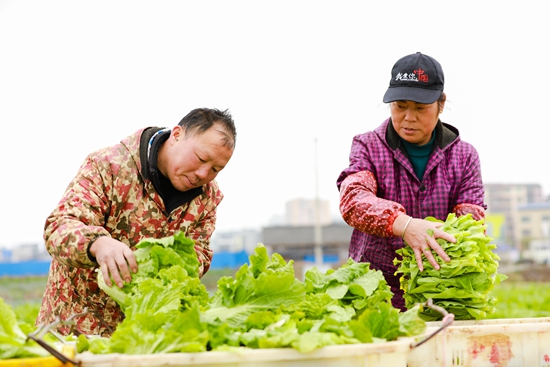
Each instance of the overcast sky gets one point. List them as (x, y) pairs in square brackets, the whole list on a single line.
[(76, 76)]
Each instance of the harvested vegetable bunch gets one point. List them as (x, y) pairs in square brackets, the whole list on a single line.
[(264, 285), (167, 271), (263, 306), (161, 304), (461, 286), (362, 301)]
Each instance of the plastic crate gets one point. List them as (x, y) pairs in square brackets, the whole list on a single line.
[(491, 343), (388, 354)]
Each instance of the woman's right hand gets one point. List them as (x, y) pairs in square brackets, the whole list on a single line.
[(417, 236)]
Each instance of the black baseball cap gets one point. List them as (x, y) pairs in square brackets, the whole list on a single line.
[(416, 77)]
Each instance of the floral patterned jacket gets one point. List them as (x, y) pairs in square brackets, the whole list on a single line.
[(111, 195)]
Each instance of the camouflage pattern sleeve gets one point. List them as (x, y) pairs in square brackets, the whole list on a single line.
[(79, 217), (363, 210)]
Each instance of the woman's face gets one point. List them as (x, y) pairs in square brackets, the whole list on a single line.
[(414, 122)]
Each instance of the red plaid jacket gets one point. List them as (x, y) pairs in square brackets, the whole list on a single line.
[(380, 184)]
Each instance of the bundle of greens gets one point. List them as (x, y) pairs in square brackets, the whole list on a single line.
[(161, 303), (263, 306), (167, 277), (463, 285)]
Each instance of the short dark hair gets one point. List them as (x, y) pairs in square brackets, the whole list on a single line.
[(199, 120)]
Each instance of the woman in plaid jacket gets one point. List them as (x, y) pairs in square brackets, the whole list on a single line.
[(410, 167)]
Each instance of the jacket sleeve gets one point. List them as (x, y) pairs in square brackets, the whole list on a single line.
[(79, 217), (202, 229), (478, 212), (472, 193), (363, 210)]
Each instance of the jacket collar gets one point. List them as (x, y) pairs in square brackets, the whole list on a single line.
[(146, 136), (445, 134), (148, 151)]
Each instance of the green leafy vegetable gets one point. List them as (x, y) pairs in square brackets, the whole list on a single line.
[(13, 341), (266, 284), (463, 285), (161, 304), (167, 277), (263, 306)]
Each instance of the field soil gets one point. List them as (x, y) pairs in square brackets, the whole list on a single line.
[(21, 290), (526, 272)]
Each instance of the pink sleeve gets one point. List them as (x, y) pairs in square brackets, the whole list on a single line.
[(477, 211), (363, 210)]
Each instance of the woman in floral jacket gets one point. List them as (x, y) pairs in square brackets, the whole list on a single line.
[(152, 184)]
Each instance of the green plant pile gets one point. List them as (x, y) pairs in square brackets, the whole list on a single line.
[(462, 286), (263, 306), (13, 336)]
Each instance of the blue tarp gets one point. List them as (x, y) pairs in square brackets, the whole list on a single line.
[(221, 260), (327, 259), (229, 260), (25, 268)]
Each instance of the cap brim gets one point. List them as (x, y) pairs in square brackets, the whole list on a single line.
[(419, 95)]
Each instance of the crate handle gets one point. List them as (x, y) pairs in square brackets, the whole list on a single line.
[(54, 352), (448, 319), (38, 334)]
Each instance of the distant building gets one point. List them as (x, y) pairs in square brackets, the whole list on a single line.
[(533, 225), (293, 234), (235, 241), (538, 252), (298, 243), (495, 226), (306, 212), (29, 251), (505, 199)]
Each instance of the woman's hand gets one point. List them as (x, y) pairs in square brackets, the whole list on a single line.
[(417, 235), (114, 257)]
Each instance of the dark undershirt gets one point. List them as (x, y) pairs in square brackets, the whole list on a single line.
[(171, 196), (419, 155)]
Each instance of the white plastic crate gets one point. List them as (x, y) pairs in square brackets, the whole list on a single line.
[(486, 343), (388, 354)]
